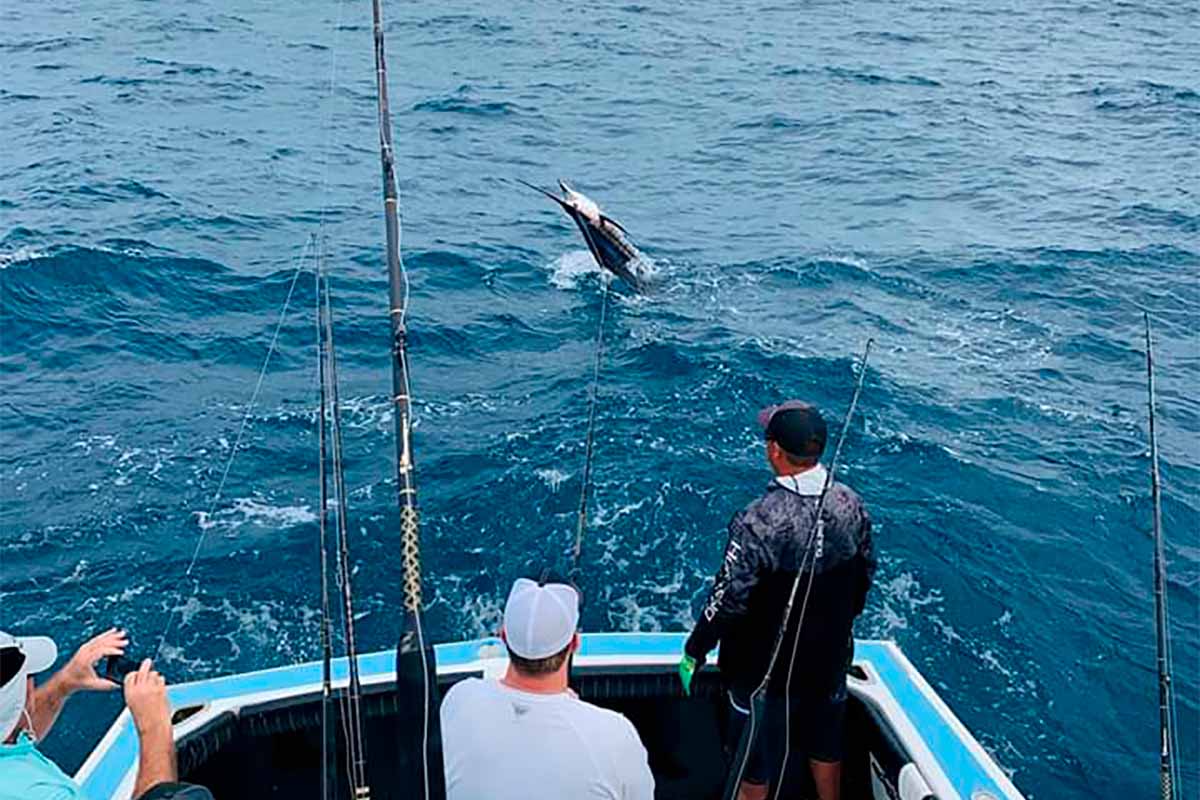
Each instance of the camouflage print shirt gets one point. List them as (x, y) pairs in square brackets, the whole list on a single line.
[(767, 542)]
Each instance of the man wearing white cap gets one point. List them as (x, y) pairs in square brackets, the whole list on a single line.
[(527, 734), (27, 712)]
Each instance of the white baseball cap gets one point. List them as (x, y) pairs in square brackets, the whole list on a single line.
[(20, 657), (540, 619)]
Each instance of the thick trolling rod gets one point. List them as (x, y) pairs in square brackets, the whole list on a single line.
[(418, 740), (1168, 770), (758, 699)]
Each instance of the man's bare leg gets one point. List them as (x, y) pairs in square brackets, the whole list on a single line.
[(827, 775), (752, 791)]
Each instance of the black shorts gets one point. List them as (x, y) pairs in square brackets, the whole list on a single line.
[(176, 791), (815, 728)]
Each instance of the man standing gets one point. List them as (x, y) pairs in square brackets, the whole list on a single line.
[(806, 701), (527, 734), (27, 712)]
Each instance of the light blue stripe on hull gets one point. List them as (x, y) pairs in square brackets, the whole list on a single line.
[(966, 767)]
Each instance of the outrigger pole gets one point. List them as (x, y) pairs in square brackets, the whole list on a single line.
[(1168, 771), (419, 740)]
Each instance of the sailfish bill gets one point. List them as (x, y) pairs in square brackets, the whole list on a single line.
[(608, 242)]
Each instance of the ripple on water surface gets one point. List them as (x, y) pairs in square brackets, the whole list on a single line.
[(991, 195)]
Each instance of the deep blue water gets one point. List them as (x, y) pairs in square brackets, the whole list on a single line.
[(989, 191)]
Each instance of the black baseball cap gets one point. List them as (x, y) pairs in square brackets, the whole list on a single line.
[(796, 426)]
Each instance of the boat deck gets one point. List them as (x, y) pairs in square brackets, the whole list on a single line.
[(950, 761)]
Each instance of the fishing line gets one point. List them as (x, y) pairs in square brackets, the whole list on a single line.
[(299, 267), (594, 392), (337, 35), (758, 696), (299, 263)]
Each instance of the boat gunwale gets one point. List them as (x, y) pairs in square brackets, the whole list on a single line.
[(891, 687)]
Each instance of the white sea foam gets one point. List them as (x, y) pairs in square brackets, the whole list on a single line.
[(256, 511), (626, 614), (178, 656), (125, 595), (850, 261), (369, 412), (605, 517), (481, 616), (654, 605), (566, 270), (99, 441), (77, 575), (284, 632), (21, 255), (903, 597), (552, 477), (988, 657), (901, 604), (188, 610)]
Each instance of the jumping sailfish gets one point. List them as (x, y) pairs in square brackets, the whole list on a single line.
[(608, 241)]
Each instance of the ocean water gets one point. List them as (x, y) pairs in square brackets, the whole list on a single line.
[(990, 190)]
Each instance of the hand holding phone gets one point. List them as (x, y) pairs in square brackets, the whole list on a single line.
[(117, 667), (80, 672), (146, 698)]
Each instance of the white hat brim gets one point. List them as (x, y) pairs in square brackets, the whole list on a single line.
[(40, 653)]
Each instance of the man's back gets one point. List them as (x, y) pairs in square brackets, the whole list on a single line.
[(768, 541), (503, 743), (780, 523)]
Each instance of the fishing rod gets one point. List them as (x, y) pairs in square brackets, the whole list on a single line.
[(328, 735), (594, 392), (353, 716), (758, 699), (1168, 770), (419, 740)]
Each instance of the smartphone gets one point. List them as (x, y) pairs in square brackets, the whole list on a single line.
[(117, 667)]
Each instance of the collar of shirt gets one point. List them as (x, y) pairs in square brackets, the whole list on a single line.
[(21, 746), (808, 483), (544, 697)]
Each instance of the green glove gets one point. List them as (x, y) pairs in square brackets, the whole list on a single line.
[(687, 668)]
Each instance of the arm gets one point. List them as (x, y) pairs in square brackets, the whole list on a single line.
[(48, 701), (727, 601), (637, 781), (866, 563), (146, 696), (156, 759), (79, 673)]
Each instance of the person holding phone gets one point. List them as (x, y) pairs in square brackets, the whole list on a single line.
[(29, 711)]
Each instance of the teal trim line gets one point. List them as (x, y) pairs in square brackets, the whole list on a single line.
[(966, 773)]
